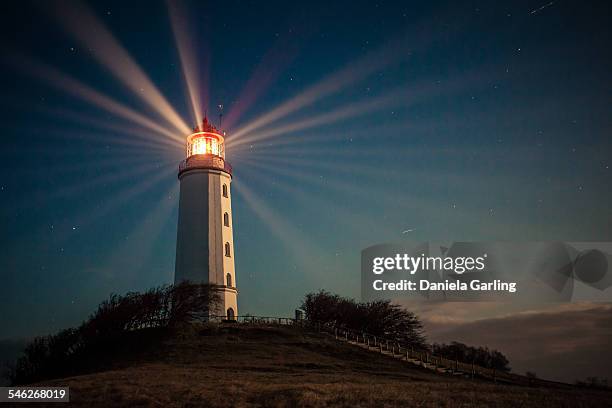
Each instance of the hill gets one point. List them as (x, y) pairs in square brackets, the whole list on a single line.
[(241, 365)]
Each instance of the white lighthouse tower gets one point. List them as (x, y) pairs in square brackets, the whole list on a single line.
[(205, 244)]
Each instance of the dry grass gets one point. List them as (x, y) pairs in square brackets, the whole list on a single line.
[(235, 366)]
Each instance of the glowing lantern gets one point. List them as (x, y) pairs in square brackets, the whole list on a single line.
[(208, 140)]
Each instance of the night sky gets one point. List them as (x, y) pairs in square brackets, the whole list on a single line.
[(421, 121)]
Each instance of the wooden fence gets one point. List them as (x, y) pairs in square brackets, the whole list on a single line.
[(422, 357)]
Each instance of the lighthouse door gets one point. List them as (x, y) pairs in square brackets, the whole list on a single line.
[(230, 314)]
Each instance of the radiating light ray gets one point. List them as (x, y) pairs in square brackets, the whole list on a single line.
[(76, 88), (143, 136), (337, 183), (354, 72), (300, 246), (273, 62), (413, 205), (107, 178), (196, 80), (356, 220), (344, 112), (111, 171), (320, 152), (80, 21), (380, 196), (388, 131), (80, 163), (329, 181), (135, 147), (366, 168), (85, 218), (122, 262), (346, 219), (418, 37), (103, 141), (70, 142), (305, 176), (146, 136), (404, 95)]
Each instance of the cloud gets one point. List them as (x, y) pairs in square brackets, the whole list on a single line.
[(560, 342)]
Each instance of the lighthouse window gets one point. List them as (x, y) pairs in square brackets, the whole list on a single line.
[(225, 190), (229, 280), (226, 219), (205, 145), (227, 249)]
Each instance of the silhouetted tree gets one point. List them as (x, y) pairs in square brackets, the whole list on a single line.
[(379, 318), (72, 349), (593, 382), (481, 356), (189, 302)]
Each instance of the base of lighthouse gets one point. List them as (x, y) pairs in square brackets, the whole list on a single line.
[(205, 245)]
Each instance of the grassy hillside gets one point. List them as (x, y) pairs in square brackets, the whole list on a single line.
[(239, 365)]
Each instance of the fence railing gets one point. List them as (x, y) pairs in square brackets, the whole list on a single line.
[(282, 321), (401, 351), (425, 357)]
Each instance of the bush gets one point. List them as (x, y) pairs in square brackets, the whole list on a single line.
[(594, 382), (481, 356), (111, 327), (379, 318)]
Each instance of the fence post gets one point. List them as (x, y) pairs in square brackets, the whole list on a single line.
[(406, 355), (473, 370), (336, 333), (346, 335), (374, 341), (380, 344)]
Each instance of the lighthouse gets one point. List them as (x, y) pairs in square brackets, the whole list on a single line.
[(205, 244)]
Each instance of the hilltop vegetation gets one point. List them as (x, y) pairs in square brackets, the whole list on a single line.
[(120, 324), (379, 318), (229, 365), (157, 348)]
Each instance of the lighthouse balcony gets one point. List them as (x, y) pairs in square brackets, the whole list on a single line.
[(205, 161)]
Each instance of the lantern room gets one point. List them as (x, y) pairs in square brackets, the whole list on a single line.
[(206, 139)]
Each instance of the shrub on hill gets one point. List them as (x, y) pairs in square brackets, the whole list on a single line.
[(114, 326), (481, 356), (379, 318)]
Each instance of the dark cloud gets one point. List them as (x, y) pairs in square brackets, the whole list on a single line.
[(564, 343)]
